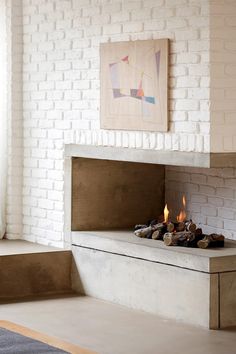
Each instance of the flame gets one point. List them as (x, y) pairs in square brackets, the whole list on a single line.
[(182, 215), (184, 201), (166, 214)]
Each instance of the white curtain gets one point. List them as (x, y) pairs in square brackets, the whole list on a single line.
[(3, 117)]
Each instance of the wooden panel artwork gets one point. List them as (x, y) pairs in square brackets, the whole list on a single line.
[(134, 81), (114, 194)]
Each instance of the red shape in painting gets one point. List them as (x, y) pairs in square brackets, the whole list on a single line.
[(126, 59)]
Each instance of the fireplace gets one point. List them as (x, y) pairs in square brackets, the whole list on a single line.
[(108, 191)]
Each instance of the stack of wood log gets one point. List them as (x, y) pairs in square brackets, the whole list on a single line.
[(185, 234)]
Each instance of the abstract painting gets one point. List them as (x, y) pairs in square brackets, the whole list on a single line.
[(134, 80)]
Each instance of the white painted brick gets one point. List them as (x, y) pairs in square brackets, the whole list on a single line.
[(178, 93), (231, 225), (199, 179), (55, 154), (209, 210), (38, 212), (205, 129), (215, 181), (101, 19), (167, 144), (198, 93), (187, 105), (225, 192), (112, 29), (154, 25), (175, 23), (196, 198), (199, 70), (186, 34), (226, 213), (111, 8), (63, 44), (216, 201), (198, 116), (187, 58), (132, 27), (187, 82), (129, 5), (215, 222), (119, 17), (178, 116), (186, 127), (207, 190), (175, 142)]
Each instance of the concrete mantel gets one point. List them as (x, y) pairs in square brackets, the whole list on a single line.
[(175, 158)]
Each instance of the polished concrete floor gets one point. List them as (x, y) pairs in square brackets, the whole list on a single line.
[(112, 329)]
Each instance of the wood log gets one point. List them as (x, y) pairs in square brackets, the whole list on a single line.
[(189, 241), (177, 238), (193, 242), (162, 230), (159, 232), (143, 232), (147, 231), (212, 240), (156, 235), (170, 239), (190, 226), (198, 232), (180, 226), (170, 227), (140, 226), (149, 235)]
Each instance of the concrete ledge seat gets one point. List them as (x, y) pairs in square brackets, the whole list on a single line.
[(193, 285), (32, 270)]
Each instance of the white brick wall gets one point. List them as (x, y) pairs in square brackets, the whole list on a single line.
[(210, 194)]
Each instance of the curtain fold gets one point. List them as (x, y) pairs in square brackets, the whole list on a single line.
[(3, 117)]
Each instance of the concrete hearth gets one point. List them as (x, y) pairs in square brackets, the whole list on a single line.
[(192, 285)]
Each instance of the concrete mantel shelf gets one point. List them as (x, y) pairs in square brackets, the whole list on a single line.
[(175, 158)]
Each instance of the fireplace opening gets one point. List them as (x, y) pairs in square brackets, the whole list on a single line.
[(109, 195), (115, 195)]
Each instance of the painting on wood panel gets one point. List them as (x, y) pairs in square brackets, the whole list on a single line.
[(134, 80)]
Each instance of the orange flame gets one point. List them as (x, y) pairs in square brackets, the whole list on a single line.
[(166, 214), (182, 215), (184, 201)]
